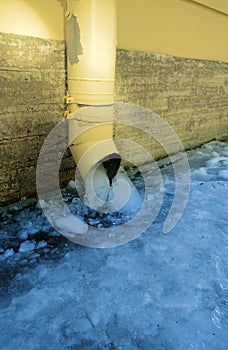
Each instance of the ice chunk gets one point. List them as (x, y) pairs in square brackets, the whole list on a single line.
[(71, 224), (93, 222), (27, 246), (23, 235), (124, 196), (121, 196), (8, 253), (200, 174), (41, 244), (41, 204), (215, 162), (72, 185), (97, 188)]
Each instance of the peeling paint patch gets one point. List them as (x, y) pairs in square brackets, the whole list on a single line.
[(74, 45)]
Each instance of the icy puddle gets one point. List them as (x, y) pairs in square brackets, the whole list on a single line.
[(159, 291)]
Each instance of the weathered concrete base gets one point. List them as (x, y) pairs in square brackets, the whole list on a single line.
[(191, 95), (32, 80)]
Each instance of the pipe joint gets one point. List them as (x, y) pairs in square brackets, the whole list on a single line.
[(91, 140)]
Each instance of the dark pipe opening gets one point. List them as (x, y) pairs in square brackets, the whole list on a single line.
[(112, 165)]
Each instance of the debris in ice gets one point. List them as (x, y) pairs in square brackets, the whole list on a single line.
[(76, 201), (93, 221)]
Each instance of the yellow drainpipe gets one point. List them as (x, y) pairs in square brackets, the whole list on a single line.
[(91, 55)]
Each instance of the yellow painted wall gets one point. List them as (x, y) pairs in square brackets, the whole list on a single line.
[(175, 27), (37, 18), (185, 28), (219, 5)]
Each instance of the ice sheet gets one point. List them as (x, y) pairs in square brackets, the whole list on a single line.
[(159, 291)]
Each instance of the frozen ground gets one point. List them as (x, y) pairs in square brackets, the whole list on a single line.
[(162, 292)]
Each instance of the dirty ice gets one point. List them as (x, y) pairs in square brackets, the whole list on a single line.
[(159, 291)]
